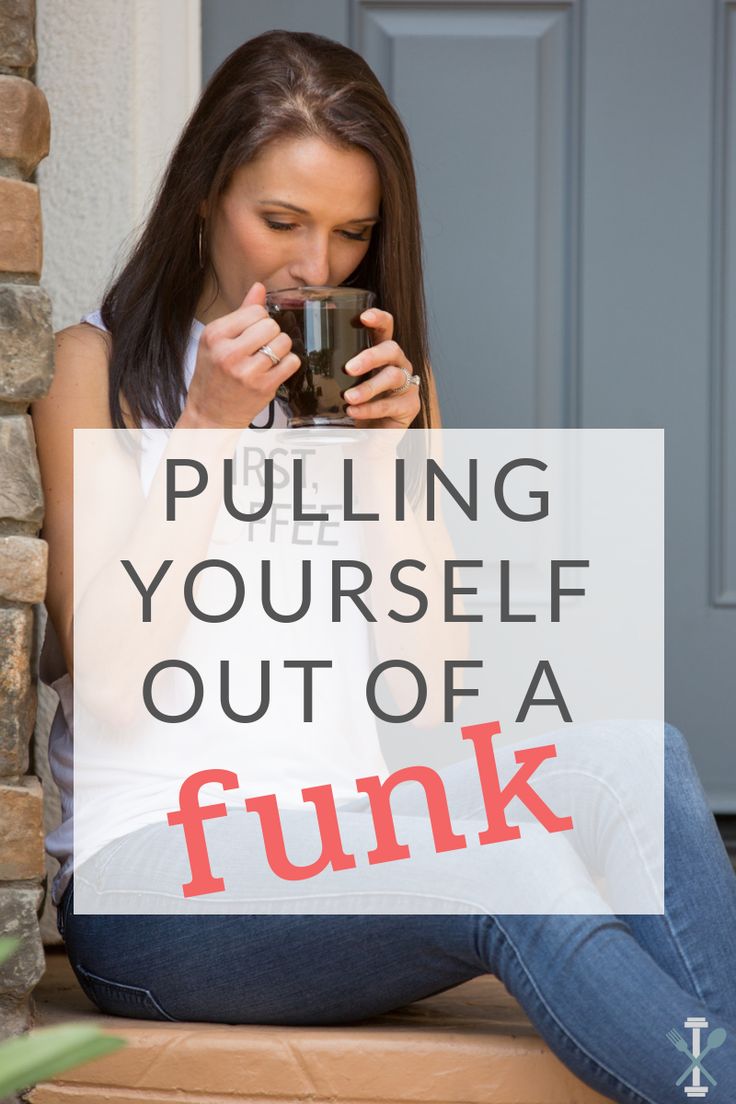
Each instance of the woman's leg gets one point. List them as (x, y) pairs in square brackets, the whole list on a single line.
[(600, 1000), (603, 1004), (605, 992), (695, 941)]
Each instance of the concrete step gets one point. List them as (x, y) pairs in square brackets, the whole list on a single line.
[(470, 1045)]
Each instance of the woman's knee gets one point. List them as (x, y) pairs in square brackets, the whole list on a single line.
[(685, 798), (675, 741), (678, 761)]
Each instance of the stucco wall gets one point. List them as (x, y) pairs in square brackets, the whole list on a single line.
[(120, 77)]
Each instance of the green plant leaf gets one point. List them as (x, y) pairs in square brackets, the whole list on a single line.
[(39, 1054), (7, 946)]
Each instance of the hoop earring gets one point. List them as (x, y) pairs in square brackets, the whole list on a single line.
[(199, 243)]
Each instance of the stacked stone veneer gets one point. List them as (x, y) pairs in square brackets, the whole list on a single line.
[(26, 361)]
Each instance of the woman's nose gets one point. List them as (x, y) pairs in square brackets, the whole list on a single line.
[(312, 267)]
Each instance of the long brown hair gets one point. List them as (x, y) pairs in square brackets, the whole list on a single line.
[(280, 84)]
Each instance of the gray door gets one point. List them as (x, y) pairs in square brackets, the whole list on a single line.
[(577, 173)]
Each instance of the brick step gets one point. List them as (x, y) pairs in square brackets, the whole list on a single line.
[(470, 1045)]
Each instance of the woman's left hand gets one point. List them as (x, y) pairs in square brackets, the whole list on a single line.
[(365, 405)]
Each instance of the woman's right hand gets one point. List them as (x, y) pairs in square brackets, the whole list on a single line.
[(232, 380)]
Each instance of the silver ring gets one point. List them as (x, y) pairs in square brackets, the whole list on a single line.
[(411, 381), (269, 353)]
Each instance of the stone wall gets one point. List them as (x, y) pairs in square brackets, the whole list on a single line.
[(26, 364)]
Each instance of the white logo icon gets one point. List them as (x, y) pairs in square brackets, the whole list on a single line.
[(716, 1038)]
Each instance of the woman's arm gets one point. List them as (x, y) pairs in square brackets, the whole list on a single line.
[(126, 519), (231, 384), (78, 397)]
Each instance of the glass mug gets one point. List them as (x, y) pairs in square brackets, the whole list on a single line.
[(326, 332)]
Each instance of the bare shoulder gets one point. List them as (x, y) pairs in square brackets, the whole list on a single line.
[(86, 333), (83, 340)]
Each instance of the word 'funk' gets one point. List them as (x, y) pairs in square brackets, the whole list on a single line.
[(191, 815)]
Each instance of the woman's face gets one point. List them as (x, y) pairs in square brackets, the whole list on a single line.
[(301, 213)]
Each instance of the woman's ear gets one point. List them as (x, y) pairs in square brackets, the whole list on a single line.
[(203, 208)]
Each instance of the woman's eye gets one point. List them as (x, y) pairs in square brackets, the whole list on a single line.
[(361, 235), (280, 225)]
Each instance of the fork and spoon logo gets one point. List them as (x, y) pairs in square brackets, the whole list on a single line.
[(716, 1038)]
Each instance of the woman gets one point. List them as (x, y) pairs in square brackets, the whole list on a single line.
[(294, 169)]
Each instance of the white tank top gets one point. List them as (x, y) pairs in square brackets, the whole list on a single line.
[(59, 842)]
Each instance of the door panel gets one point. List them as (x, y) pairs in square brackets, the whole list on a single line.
[(577, 176)]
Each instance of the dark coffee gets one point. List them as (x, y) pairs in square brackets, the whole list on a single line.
[(325, 335)]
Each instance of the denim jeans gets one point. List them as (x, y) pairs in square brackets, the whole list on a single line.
[(602, 990)]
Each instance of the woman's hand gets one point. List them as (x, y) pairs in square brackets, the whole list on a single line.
[(366, 407), (232, 380)]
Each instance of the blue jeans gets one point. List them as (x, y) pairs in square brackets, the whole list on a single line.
[(602, 990)]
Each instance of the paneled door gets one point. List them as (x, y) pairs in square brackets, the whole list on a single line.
[(577, 172)]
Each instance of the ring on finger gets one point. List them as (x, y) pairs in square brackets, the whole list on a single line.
[(269, 353), (410, 381)]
